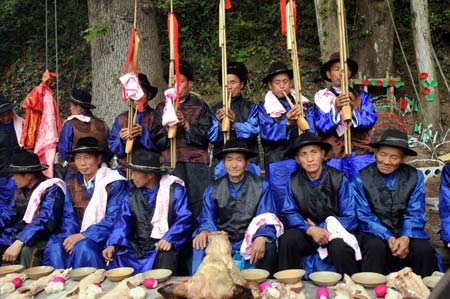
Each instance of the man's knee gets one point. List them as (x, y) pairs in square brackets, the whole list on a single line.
[(421, 247), (372, 244), (290, 236)]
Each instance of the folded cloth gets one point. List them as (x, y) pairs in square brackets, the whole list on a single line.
[(96, 209), (325, 100), (169, 117), (36, 197), (80, 117), (272, 105), (18, 124), (160, 217), (132, 87), (257, 222), (337, 231)]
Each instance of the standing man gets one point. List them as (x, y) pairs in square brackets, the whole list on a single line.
[(319, 200), (39, 204), (328, 105), (444, 205), (143, 132), (243, 116), (231, 202), (390, 203), (93, 199), (154, 220)]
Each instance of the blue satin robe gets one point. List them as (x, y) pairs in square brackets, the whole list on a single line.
[(87, 252), (7, 211), (207, 221), (444, 204), (177, 234)]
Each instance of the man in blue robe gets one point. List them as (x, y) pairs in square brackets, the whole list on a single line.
[(315, 192), (444, 205), (390, 204), (242, 114), (146, 235), (94, 196), (230, 203), (328, 104), (37, 210)]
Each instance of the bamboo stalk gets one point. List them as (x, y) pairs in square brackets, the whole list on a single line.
[(172, 130), (226, 98)]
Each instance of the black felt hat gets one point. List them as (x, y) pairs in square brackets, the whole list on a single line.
[(395, 138), (235, 145), (145, 161), (82, 98), (186, 69), (5, 104), (25, 162), (235, 68), (307, 139), (276, 68), (87, 145), (152, 90), (335, 57)]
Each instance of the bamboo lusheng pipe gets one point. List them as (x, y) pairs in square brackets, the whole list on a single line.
[(130, 141), (226, 97), (291, 37), (172, 130), (346, 109)]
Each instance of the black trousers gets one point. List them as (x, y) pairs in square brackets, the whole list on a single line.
[(377, 257), (270, 260), (166, 260), (295, 244)]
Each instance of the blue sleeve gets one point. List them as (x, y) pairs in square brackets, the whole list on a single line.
[(114, 142), (367, 117), (101, 231), (47, 219), (325, 123), (309, 116), (214, 133), (290, 214), (271, 129), (121, 229), (207, 218), (414, 216), (250, 128), (368, 221), (7, 211), (178, 231), (65, 140), (347, 205), (266, 205), (444, 203)]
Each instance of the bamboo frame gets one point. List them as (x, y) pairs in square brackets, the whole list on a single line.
[(226, 97)]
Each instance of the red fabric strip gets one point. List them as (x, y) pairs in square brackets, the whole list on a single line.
[(227, 4), (283, 16)]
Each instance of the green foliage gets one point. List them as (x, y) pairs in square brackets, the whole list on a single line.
[(93, 31)]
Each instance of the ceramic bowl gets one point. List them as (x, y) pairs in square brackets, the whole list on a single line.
[(119, 274), (325, 278), (10, 269), (79, 273), (256, 275), (38, 272), (290, 275), (369, 279), (159, 274)]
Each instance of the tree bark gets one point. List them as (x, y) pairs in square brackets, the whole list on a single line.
[(109, 51), (424, 58), (326, 14)]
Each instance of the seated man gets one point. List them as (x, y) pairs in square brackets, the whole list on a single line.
[(315, 192), (93, 199), (390, 203), (39, 204), (154, 221), (444, 205), (230, 203)]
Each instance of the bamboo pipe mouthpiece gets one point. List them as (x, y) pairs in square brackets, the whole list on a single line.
[(225, 124), (346, 113), (172, 132), (302, 124), (129, 146)]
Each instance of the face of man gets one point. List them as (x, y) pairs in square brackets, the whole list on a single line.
[(280, 83), (75, 109), (334, 74), (185, 86), (235, 164), (388, 159), (23, 180), (88, 164), (6, 116), (142, 179), (310, 157), (234, 84)]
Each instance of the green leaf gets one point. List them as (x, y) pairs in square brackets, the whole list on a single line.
[(430, 97), (425, 84), (434, 84)]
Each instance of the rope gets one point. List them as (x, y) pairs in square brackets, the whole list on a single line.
[(46, 34), (56, 55)]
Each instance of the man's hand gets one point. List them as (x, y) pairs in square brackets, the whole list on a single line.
[(108, 253), (124, 134), (220, 114), (258, 249), (200, 240), (71, 240), (12, 253), (182, 121), (343, 100), (292, 115), (163, 245), (401, 247), (136, 131), (319, 235)]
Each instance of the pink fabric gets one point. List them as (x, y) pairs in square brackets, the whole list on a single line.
[(325, 99), (257, 222), (272, 105), (82, 118), (159, 220), (96, 209), (47, 133), (132, 87), (337, 231), (36, 197), (18, 125), (169, 117)]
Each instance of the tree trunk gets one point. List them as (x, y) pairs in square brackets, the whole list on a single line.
[(327, 24), (109, 51), (373, 42), (424, 58)]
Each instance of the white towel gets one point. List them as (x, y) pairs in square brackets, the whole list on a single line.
[(82, 118), (272, 105), (169, 117)]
